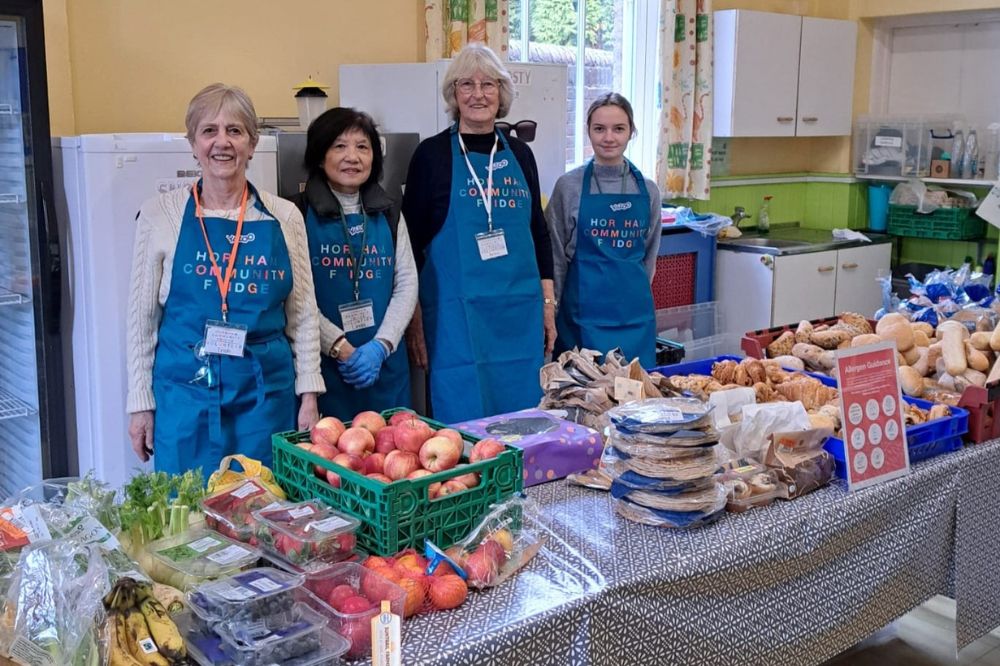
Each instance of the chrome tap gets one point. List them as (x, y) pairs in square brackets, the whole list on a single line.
[(739, 215)]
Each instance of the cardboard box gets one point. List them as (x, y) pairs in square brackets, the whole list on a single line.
[(553, 447)]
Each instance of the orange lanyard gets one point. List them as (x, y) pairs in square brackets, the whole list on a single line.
[(231, 268)]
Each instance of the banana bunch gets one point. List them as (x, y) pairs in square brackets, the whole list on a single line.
[(139, 629)]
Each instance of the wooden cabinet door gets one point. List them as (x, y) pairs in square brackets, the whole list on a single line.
[(826, 77), (756, 63), (857, 270), (804, 287)]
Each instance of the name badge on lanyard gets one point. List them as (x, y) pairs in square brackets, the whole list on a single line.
[(357, 316), (224, 338), (492, 244)]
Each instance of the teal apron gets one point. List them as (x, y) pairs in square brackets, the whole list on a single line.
[(254, 396), (483, 319), (334, 280), (606, 300)]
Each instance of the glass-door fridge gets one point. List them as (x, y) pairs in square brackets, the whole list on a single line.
[(32, 417)]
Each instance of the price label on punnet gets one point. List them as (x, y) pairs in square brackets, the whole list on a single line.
[(871, 411)]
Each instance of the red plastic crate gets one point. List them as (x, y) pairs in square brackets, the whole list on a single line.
[(754, 343)]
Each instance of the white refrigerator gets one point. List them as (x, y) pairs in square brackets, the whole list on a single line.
[(101, 180)]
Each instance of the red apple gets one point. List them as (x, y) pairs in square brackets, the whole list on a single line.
[(339, 595), (495, 550), (327, 431), (355, 604), (358, 632), (453, 435), (382, 478), (374, 463), (481, 568), (411, 435), (470, 480), (485, 449), (438, 454), (350, 461), (432, 489), (400, 463), (324, 451), (370, 421), (451, 486), (305, 446), (357, 441), (400, 417), (333, 479), (385, 439)]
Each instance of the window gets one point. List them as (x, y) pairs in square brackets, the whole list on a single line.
[(619, 52)]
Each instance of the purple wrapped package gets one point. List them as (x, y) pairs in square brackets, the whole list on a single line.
[(552, 446)]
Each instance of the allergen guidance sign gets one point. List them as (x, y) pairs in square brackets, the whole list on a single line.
[(871, 410)]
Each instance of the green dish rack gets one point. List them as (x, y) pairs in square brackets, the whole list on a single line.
[(399, 515), (943, 223)]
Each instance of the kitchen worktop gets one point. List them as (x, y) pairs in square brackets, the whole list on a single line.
[(788, 239)]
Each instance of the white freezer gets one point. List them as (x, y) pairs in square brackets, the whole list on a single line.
[(101, 181)]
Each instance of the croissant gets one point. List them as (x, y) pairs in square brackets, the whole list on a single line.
[(694, 383), (755, 369), (812, 394), (725, 371), (765, 393)]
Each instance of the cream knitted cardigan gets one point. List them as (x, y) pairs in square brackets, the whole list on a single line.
[(157, 230)]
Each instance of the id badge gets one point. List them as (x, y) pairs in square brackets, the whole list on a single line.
[(224, 338), (357, 316), (492, 244)]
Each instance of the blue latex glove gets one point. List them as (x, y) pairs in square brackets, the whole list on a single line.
[(362, 368)]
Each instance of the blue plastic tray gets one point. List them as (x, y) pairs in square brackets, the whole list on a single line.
[(924, 441)]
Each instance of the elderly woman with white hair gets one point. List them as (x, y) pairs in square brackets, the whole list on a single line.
[(486, 317), (223, 329)]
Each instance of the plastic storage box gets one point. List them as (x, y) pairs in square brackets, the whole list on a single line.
[(196, 556), (943, 223), (306, 531), (698, 328), (891, 146), (327, 594), (276, 639), (229, 511), (247, 596), (399, 515)]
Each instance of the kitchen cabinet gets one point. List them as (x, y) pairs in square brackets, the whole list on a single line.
[(782, 75), (761, 290)]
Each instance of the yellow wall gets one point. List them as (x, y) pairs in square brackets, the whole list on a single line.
[(132, 65)]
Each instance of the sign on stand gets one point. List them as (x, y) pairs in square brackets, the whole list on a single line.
[(871, 410)]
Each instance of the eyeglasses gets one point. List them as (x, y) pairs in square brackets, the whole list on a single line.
[(524, 129), (489, 88), (204, 376)]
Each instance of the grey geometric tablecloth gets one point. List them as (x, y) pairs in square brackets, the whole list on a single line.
[(793, 583)]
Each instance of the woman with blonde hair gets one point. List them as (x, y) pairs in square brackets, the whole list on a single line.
[(486, 316), (223, 329)]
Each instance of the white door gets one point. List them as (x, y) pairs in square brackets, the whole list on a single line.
[(744, 283), (756, 73), (804, 287), (857, 270), (826, 77)]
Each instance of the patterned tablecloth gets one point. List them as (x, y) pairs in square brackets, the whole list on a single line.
[(793, 583)]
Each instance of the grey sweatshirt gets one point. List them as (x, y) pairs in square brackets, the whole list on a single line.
[(564, 206)]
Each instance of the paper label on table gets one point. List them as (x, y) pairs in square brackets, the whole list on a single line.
[(329, 524), (627, 390), (357, 316), (989, 209), (225, 339), (874, 432), (492, 245), (235, 592), (201, 545), (229, 555), (248, 489)]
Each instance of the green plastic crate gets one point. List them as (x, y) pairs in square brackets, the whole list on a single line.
[(944, 223), (398, 515)]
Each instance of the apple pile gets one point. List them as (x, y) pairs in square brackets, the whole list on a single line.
[(404, 448), (485, 562), (442, 590)]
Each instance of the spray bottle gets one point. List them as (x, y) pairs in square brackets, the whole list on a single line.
[(764, 216)]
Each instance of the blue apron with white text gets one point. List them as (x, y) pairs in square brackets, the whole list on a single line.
[(333, 277), (254, 396), (483, 319), (607, 301)]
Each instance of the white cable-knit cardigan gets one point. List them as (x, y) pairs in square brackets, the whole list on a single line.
[(157, 230)]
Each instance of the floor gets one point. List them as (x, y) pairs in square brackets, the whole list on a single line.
[(923, 637)]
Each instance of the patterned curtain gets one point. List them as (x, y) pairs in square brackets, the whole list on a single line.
[(683, 153), (451, 24)]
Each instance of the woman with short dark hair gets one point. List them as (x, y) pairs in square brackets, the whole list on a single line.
[(362, 265), (604, 217)]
